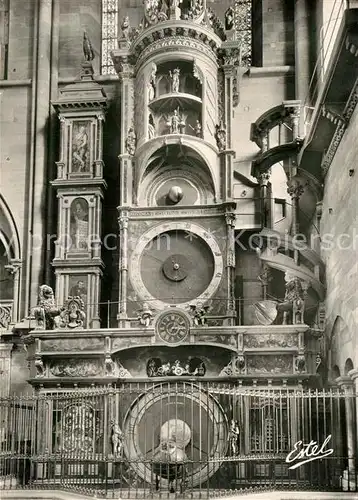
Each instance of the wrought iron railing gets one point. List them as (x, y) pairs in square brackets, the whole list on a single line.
[(202, 439)]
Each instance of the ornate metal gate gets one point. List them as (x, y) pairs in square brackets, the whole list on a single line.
[(143, 440)]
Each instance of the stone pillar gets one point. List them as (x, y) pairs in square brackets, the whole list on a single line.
[(295, 189), (230, 265), (302, 59), (264, 178), (123, 270), (40, 116), (346, 384)]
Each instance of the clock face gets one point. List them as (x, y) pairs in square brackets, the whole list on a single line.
[(173, 326), (176, 263)]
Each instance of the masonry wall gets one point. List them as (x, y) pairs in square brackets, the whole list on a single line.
[(340, 224)]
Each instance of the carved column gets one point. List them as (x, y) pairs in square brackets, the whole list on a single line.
[(230, 265), (295, 189), (123, 269), (264, 178), (346, 384), (302, 55), (126, 123)]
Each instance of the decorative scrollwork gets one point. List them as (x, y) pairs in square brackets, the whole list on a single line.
[(194, 367)]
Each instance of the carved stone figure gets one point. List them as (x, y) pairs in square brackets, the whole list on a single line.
[(72, 315), (234, 438), (88, 51), (220, 136), (146, 315), (131, 141), (40, 367), (126, 28), (293, 304), (199, 314), (117, 438), (197, 128), (300, 363), (46, 312), (152, 82), (175, 78), (176, 123), (229, 19), (151, 127)]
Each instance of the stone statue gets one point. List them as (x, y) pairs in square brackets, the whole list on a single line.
[(88, 51), (46, 312), (197, 128), (176, 123), (234, 438), (199, 314), (126, 28), (293, 303), (220, 136), (151, 127), (151, 83), (131, 141), (175, 78), (80, 159), (229, 19), (72, 314), (146, 315), (117, 438)]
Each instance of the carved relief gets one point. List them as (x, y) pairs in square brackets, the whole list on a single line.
[(199, 314), (64, 345), (269, 364), (146, 315), (270, 340), (5, 316), (236, 366), (76, 368), (193, 367), (72, 314), (131, 141)]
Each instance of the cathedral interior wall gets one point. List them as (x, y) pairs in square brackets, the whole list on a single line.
[(340, 218)]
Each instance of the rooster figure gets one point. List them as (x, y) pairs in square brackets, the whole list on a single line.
[(88, 51)]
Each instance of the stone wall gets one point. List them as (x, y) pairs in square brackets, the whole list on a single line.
[(339, 224)]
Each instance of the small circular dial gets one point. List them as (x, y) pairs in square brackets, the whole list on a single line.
[(176, 267), (172, 327)]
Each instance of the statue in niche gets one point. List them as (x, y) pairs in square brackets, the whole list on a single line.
[(131, 141), (151, 127), (72, 314), (79, 224), (220, 136), (46, 312), (234, 438), (293, 303), (80, 148), (146, 315), (88, 51), (175, 79), (199, 314), (117, 438), (229, 19), (126, 28), (152, 82), (197, 129), (176, 123)]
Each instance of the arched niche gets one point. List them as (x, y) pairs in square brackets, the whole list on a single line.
[(180, 168), (336, 372), (348, 366)]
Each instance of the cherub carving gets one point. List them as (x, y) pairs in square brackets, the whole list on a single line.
[(145, 316), (46, 312)]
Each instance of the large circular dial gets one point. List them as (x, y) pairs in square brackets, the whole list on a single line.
[(176, 263)]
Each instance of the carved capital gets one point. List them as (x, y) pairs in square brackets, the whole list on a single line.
[(230, 219), (295, 189), (123, 222), (263, 178)]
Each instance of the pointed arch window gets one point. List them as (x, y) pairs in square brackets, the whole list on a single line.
[(109, 35)]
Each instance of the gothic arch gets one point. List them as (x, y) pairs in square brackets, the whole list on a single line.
[(9, 235), (348, 366)]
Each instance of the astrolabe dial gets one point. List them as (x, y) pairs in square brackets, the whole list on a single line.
[(176, 263)]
